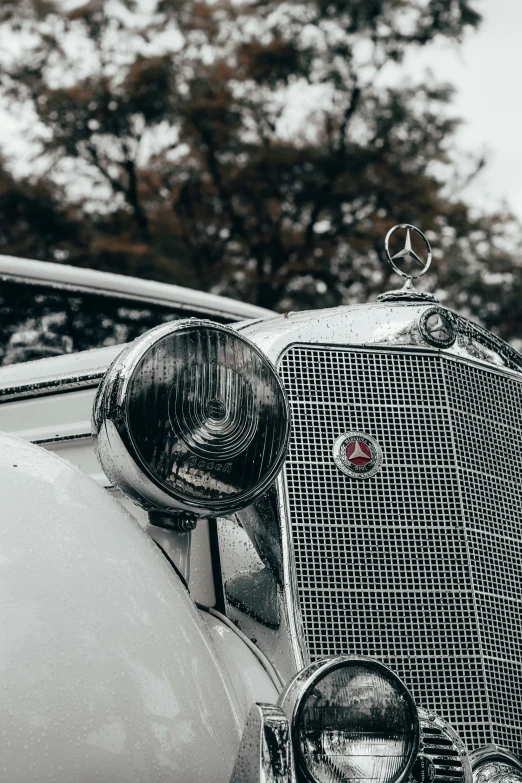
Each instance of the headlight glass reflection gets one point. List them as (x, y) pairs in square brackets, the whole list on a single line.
[(207, 416), (357, 724)]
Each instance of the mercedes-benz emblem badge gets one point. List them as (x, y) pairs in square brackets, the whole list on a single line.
[(408, 253), (436, 327), (357, 454)]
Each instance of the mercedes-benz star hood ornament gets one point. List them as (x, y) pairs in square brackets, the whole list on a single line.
[(408, 264)]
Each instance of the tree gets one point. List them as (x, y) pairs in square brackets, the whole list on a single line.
[(160, 137)]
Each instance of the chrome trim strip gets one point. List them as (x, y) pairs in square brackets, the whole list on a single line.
[(59, 438), (52, 386), (56, 433)]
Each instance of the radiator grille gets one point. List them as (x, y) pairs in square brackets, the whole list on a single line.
[(419, 566)]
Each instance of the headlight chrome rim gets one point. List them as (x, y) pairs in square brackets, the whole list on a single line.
[(116, 447), (293, 700)]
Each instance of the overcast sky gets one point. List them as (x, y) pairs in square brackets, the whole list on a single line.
[(487, 71)]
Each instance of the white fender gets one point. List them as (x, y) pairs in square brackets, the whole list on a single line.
[(106, 671)]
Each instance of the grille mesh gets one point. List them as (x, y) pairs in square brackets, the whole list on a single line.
[(419, 566)]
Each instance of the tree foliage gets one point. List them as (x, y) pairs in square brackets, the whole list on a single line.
[(253, 148)]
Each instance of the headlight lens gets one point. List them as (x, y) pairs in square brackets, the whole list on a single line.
[(202, 413), (353, 720)]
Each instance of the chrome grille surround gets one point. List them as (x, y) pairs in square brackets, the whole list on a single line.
[(420, 565)]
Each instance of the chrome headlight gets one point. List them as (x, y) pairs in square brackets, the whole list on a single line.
[(191, 416), (352, 720), (495, 765)]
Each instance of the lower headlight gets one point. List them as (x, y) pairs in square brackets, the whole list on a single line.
[(352, 720), (495, 765)]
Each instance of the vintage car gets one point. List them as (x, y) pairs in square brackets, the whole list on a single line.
[(247, 547)]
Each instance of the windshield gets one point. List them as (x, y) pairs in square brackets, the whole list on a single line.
[(38, 321)]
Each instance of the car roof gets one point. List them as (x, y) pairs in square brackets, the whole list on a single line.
[(63, 276)]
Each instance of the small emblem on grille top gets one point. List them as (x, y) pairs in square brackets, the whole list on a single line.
[(357, 454), (436, 328)]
